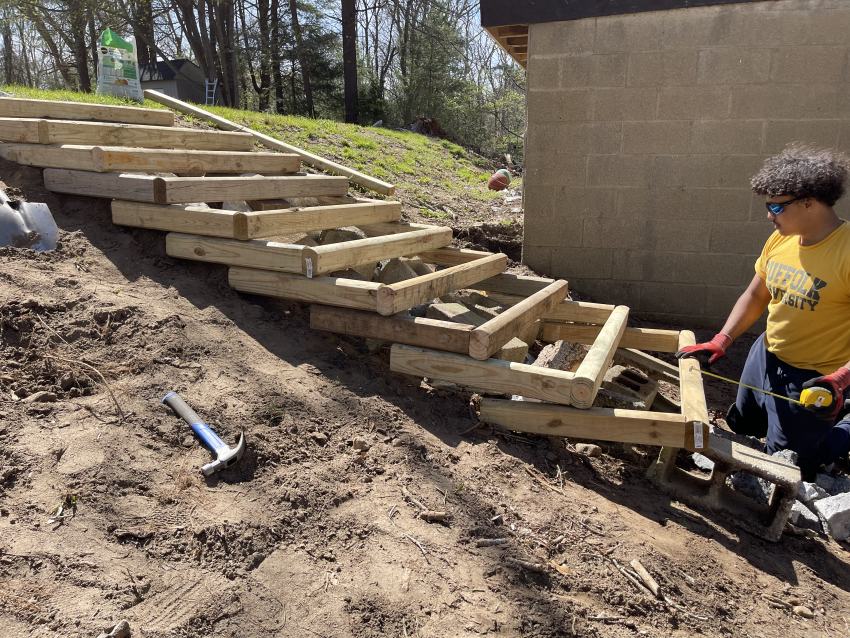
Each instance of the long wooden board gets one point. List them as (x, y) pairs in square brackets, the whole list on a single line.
[(254, 253), (601, 424), (213, 222), (308, 158), (692, 394), (39, 131), (175, 190), (31, 108), (651, 339), (499, 377), (331, 291), (402, 328), (320, 260), (588, 377), (104, 159), (490, 337), (411, 292)]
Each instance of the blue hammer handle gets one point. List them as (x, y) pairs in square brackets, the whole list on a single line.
[(201, 429)]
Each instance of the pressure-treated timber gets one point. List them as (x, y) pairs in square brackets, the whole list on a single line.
[(319, 260), (691, 391), (452, 256), (175, 190), (269, 142), (648, 362), (494, 375), (567, 310), (203, 220), (37, 131), (588, 377), (521, 285), (25, 107), (196, 220), (651, 339), (489, 338), (414, 331), (104, 159), (266, 223), (254, 253), (601, 424), (411, 292), (330, 291)]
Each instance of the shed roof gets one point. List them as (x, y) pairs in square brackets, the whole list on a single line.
[(164, 69)]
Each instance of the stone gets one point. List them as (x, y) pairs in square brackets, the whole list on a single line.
[(789, 456), (419, 266), (702, 462), (319, 437), (394, 271), (834, 511), (750, 486), (514, 350), (833, 484), (40, 397), (340, 235), (588, 449), (68, 381), (802, 610), (810, 492), (801, 516), (121, 630), (359, 443)]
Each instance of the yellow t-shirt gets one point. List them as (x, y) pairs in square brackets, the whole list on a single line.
[(808, 318)]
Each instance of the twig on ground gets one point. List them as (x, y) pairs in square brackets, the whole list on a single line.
[(490, 542), (413, 499), (418, 544), (525, 564), (645, 577), (98, 373)]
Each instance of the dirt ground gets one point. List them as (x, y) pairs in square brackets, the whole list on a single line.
[(313, 534)]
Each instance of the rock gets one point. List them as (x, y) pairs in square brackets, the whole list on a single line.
[(419, 266), (40, 397), (255, 559), (810, 492), (514, 350), (395, 271), (359, 443), (68, 381), (750, 486), (340, 235), (121, 630), (789, 456), (834, 511), (319, 437), (588, 449), (833, 484), (801, 516), (702, 462), (802, 610)]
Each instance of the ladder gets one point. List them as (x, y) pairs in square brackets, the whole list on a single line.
[(210, 86)]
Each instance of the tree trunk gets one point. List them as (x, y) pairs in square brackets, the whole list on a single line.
[(79, 26), (349, 58), (143, 30), (303, 60), (8, 54), (277, 59)]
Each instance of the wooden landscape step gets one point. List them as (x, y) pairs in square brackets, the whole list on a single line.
[(330, 258), (336, 291), (174, 190), (254, 253), (41, 131), (30, 108), (213, 222), (588, 378), (652, 339), (104, 159)]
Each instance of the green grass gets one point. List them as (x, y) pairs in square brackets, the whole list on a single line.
[(427, 172)]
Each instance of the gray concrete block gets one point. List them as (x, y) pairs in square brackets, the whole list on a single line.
[(726, 136), (693, 103), (834, 511), (663, 68), (622, 104), (733, 65), (801, 516), (656, 137)]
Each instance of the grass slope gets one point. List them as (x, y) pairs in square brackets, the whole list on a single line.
[(435, 179)]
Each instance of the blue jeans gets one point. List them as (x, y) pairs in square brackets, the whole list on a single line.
[(786, 425)]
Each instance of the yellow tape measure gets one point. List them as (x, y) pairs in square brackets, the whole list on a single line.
[(809, 398)]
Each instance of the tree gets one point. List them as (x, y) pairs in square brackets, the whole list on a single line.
[(349, 58)]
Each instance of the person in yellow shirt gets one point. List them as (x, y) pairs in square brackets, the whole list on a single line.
[(802, 278)]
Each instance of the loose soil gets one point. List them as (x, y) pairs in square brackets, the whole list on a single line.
[(312, 534)]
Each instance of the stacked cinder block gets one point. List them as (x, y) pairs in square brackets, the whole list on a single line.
[(643, 132)]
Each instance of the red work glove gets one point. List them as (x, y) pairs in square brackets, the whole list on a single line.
[(837, 383), (710, 351)]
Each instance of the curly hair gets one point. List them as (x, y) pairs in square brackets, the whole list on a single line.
[(803, 171)]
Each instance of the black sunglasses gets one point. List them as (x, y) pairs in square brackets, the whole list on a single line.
[(777, 208)]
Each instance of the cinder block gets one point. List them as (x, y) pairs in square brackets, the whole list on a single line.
[(742, 238), (663, 68), (834, 511), (545, 71), (819, 65), (827, 27), (719, 300), (754, 26), (559, 106), (608, 69), (687, 236), (657, 137), (673, 266), (728, 136), (619, 170), (634, 32), (781, 133), (587, 263), (611, 291), (696, 27), (614, 232), (553, 232), (788, 101), (624, 104), (568, 170), (733, 65), (720, 204), (538, 258), (657, 203), (669, 298), (561, 37), (575, 139), (694, 103)]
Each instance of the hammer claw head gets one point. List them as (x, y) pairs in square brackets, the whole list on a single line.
[(226, 458)]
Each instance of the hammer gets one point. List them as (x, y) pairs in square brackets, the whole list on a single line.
[(225, 455)]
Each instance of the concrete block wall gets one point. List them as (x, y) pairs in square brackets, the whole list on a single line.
[(643, 133)]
